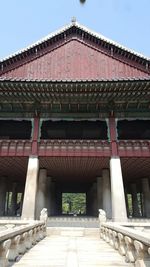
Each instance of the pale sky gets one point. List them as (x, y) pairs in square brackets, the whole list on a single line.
[(24, 22)]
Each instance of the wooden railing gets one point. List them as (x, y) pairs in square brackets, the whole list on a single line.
[(133, 244), (18, 240), (96, 148), (74, 148), (55, 148), (134, 148), (15, 147)]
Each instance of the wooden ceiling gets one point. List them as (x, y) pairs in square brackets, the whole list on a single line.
[(74, 169)]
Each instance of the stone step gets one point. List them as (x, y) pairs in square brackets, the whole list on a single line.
[(72, 231), (86, 222)]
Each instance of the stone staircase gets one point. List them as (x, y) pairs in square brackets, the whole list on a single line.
[(73, 231), (74, 221), (72, 247)]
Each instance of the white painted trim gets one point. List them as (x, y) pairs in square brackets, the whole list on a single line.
[(78, 25)]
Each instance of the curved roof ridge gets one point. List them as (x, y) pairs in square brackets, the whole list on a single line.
[(40, 41), (102, 37), (81, 27)]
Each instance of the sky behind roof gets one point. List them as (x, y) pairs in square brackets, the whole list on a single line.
[(25, 22)]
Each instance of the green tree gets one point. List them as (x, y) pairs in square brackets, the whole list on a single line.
[(74, 203)]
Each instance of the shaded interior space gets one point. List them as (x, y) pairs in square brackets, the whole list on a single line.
[(11, 129), (135, 173), (73, 175), (74, 130), (133, 129), (85, 175), (12, 183)]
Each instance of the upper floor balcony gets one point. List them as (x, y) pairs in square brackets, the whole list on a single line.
[(95, 148), (75, 138), (74, 148)]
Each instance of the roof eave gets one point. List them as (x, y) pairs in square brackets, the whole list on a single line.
[(29, 49)]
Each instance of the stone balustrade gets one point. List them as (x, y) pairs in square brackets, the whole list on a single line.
[(16, 241), (132, 243)]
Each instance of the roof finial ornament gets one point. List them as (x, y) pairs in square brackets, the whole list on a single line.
[(73, 20)]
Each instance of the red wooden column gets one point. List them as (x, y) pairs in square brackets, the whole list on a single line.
[(113, 136), (35, 136)]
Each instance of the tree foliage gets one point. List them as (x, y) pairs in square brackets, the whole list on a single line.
[(74, 203)]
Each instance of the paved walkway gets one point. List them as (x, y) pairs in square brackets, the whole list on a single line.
[(73, 250)]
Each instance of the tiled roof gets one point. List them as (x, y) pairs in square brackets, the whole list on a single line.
[(83, 28), (143, 79)]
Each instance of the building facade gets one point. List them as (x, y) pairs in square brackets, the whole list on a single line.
[(75, 117)]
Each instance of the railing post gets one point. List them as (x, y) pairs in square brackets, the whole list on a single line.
[(22, 243), (142, 258), (122, 249), (115, 240), (38, 236), (13, 251), (101, 230), (107, 235), (34, 238), (130, 250), (4, 247), (29, 239), (110, 237)]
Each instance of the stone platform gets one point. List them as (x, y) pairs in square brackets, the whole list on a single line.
[(73, 221), (72, 247)]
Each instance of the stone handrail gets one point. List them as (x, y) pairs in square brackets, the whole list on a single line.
[(133, 244), (18, 240)]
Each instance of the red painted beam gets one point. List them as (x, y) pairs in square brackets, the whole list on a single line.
[(35, 136), (113, 136)]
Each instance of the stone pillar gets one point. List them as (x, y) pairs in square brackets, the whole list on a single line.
[(2, 195), (41, 192), (135, 207), (28, 209), (21, 202), (117, 191), (94, 199), (126, 199), (49, 195), (53, 199), (99, 193), (88, 203), (106, 193), (146, 197), (13, 200), (58, 201)]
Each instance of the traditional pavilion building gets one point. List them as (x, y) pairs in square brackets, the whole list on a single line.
[(75, 117)]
